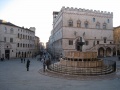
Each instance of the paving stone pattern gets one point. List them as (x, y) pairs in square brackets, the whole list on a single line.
[(14, 76)]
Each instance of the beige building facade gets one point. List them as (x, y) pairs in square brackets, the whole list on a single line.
[(116, 35), (15, 41), (37, 45), (82, 30)]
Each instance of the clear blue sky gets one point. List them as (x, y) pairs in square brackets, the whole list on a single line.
[(38, 13), (3, 3)]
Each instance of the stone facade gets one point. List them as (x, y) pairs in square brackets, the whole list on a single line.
[(82, 30), (37, 45), (15, 41), (116, 35)]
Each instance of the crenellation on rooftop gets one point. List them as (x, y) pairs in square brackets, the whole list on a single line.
[(76, 9), (86, 10)]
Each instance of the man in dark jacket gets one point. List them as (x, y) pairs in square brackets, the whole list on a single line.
[(48, 62), (44, 65), (28, 64)]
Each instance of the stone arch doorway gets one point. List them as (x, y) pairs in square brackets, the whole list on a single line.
[(108, 51), (79, 43), (7, 48), (7, 54), (101, 52)]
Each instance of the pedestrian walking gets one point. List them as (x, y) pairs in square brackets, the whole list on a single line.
[(44, 64), (28, 64), (48, 62), (21, 60), (24, 60)]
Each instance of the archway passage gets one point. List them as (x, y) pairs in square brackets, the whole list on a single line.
[(79, 44), (108, 51), (7, 54), (101, 52)]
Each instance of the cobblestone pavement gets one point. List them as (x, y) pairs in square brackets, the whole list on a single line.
[(14, 76)]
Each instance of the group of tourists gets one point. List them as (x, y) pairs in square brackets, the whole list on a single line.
[(22, 59), (45, 58), (46, 63)]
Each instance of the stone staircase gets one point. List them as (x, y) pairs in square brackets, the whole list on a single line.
[(81, 71)]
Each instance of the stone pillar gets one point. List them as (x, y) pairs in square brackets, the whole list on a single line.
[(104, 52)]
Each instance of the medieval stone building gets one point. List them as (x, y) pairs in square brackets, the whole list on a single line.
[(15, 41), (76, 29)]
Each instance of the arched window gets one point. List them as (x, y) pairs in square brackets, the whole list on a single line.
[(98, 25), (93, 19), (104, 25), (18, 35), (86, 24), (18, 44), (70, 23), (11, 30), (5, 30), (78, 23)]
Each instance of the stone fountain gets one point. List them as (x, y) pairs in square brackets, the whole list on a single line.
[(82, 63)]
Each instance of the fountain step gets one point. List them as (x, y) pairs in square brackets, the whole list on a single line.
[(81, 71)]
